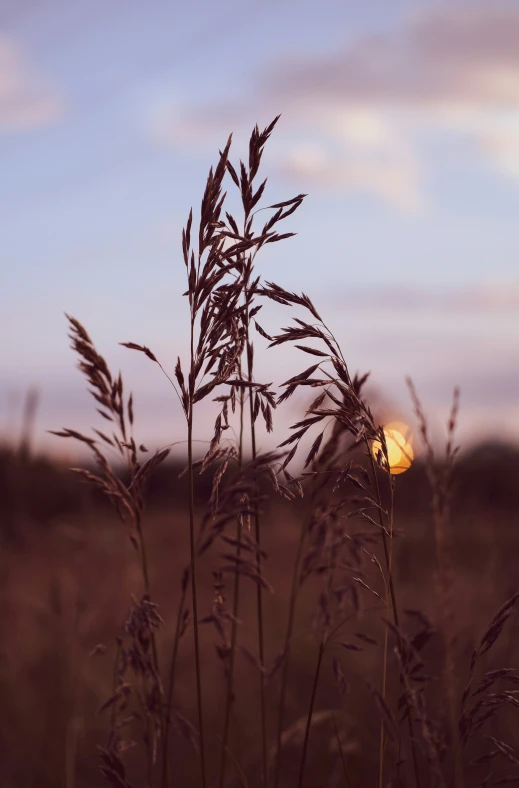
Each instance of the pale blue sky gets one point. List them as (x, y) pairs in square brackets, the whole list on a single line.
[(399, 119)]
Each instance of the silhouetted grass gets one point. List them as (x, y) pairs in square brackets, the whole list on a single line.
[(352, 645)]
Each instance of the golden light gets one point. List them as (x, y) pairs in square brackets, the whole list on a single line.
[(399, 450)]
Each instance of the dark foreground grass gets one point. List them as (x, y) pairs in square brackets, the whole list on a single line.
[(66, 591)]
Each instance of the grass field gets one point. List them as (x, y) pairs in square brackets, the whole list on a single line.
[(67, 587), (304, 617)]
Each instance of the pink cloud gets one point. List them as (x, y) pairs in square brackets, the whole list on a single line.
[(482, 298), (461, 54), (25, 101), (451, 69)]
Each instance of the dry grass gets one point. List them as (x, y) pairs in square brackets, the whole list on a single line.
[(69, 590), (250, 654)]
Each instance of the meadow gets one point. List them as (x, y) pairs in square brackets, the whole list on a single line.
[(309, 616)]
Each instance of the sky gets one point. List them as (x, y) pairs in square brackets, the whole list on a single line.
[(399, 120)]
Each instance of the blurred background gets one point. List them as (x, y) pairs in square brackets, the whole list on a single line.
[(400, 120)]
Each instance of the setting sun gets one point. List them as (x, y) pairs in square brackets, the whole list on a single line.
[(399, 449)]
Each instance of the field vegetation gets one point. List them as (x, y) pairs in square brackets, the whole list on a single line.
[(337, 612)]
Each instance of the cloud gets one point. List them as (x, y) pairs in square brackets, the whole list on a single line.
[(501, 145), (465, 54), (360, 115), (358, 150), (394, 176), (491, 297), (453, 68), (25, 101)]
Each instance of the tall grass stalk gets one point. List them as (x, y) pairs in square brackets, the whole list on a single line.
[(248, 286), (259, 593), (440, 480), (212, 312), (229, 698), (292, 605), (192, 548), (286, 652), (391, 603), (389, 590), (310, 713), (171, 680)]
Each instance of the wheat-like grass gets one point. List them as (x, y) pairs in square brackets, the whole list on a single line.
[(346, 546)]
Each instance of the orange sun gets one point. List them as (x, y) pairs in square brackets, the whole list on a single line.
[(399, 450)]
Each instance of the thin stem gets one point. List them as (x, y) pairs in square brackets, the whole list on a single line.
[(388, 554), (343, 759), (286, 649), (242, 424), (234, 637), (239, 769), (193, 557), (390, 592), (154, 650), (172, 668), (235, 611), (259, 600), (149, 769), (113, 713), (310, 714), (144, 559)]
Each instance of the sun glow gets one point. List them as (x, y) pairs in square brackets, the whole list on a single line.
[(400, 452)]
